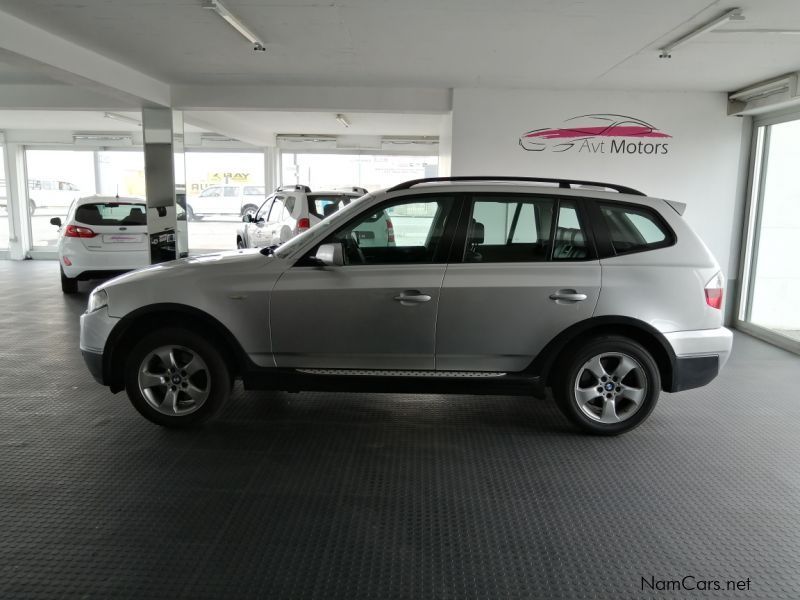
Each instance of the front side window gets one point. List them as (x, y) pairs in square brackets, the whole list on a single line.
[(406, 231), (263, 211), (276, 212), (212, 192), (634, 229)]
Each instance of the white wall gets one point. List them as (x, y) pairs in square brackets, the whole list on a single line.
[(701, 165)]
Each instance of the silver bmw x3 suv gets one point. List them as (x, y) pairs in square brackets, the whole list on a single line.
[(490, 285)]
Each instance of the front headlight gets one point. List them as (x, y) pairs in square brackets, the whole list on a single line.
[(97, 300)]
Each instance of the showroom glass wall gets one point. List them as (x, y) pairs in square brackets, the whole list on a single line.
[(4, 224), (769, 305), (331, 170), (220, 187)]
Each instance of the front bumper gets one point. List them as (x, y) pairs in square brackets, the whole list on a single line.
[(94, 362), (699, 356), (95, 328)]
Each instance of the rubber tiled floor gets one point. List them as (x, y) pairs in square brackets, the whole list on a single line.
[(321, 495)]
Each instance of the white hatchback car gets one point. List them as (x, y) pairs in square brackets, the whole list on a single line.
[(104, 236), (290, 211)]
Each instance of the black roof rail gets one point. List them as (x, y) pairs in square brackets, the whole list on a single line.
[(562, 183), (294, 188)]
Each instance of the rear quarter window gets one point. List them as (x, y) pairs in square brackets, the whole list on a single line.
[(635, 228)]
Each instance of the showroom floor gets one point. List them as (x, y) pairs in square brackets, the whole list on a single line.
[(382, 496)]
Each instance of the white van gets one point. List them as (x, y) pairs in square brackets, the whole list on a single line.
[(51, 193)]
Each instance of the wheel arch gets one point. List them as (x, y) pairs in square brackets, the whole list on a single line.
[(555, 352), (133, 326)]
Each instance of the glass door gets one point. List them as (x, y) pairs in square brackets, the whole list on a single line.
[(770, 301)]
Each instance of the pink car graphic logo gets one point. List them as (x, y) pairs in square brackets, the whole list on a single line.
[(586, 127)]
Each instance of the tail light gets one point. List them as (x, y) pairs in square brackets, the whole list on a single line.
[(78, 232), (390, 230), (303, 224), (713, 290)]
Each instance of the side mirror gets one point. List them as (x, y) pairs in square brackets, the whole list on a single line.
[(330, 255), (56, 221), (248, 218)]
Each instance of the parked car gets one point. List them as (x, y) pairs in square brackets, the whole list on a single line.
[(51, 193), (503, 294), (228, 199), (290, 211), (104, 236)]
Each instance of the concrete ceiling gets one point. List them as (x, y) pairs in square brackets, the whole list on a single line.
[(446, 43)]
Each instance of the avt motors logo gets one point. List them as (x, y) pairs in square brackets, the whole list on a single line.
[(599, 134)]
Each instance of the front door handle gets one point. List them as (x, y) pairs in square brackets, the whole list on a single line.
[(568, 296), (410, 297)]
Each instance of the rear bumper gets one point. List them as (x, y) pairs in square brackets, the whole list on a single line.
[(699, 357)]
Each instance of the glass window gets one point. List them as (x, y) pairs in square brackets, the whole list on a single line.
[(111, 214), (288, 207), (322, 205), (121, 172), (237, 181), (263, 212), (4, 225), (48, 197), (570, 242), (405, 232), (338, 171), (633, 229), (276, 210), (509, 229)]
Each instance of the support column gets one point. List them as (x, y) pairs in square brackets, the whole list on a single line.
[(19, 219), (159, 171), (270, 169)]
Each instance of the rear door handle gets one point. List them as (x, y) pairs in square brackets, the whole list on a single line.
[(568, 296), (409, 297)]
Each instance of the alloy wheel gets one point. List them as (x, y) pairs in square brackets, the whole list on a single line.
[(610, 387), (174, 380)]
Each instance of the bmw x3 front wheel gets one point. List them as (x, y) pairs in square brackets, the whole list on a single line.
[(175, 378)]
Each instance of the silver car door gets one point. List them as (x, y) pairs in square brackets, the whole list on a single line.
[(377, 310), (523, 279)]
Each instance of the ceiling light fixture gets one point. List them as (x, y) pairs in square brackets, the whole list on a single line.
[(229, 17), (343, 120), (123, 118), (734, 14)]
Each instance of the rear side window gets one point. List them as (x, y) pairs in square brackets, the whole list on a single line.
[(519, 228), (111, 214), (635, 229), (323, 205)]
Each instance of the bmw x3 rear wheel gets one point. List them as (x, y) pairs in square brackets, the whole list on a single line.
[(176, 378), (608, 386)]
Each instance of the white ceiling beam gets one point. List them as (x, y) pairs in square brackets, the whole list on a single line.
[(57, 96), (312, 98), (27, 45)]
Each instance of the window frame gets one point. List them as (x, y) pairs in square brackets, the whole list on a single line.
[(605, 243), (459, 246), (443, 252)]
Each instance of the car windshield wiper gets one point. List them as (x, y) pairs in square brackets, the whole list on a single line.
[(269, 250)]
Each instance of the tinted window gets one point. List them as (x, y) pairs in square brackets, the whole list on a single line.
[(570, 241), (322, 205), (633, 229), (404, 232), (111, 214), (509, 229)]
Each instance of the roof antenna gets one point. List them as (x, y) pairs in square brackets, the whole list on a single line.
[(117, 196)]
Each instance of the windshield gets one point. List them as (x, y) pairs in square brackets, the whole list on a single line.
[(288, 248)]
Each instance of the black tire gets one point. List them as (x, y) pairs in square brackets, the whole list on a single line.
[(218, 382), (249, 208), (69, 285), (643, 381), (240, 243)]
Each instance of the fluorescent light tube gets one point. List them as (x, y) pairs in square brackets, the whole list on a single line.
[(123, 118), (732, 15), (231, 19)]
